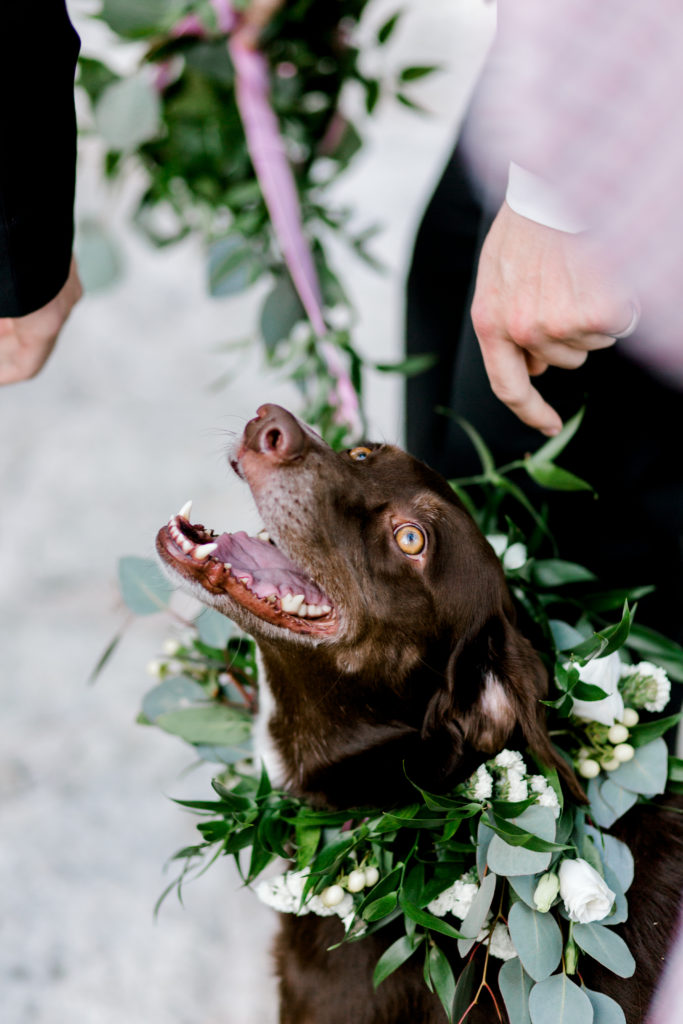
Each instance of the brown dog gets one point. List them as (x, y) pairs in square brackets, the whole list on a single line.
[(388, 639)]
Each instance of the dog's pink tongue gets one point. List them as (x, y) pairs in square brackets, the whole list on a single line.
[(264, 568)]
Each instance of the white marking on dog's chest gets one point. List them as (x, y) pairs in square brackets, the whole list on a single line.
[(264, 745)]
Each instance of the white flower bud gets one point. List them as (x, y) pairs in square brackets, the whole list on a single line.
[(171, 646), (588, 768), (546, 891), (371, 875), (332, 895), (156, 668), (630, 717), (624, 752), (586, 896), (356, 881), (617, 733), (610, 764)]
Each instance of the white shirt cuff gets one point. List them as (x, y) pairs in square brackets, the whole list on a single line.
[(534, 198)]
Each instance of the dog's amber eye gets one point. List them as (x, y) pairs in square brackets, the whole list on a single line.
[(410, 539), (358, 454)]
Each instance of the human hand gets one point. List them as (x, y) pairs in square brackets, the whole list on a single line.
[(27, 341), (541, 299)]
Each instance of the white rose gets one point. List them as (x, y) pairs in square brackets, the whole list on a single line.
[(605, 673), (586, 896)]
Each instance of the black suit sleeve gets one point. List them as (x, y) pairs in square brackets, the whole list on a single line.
[(38, 52)]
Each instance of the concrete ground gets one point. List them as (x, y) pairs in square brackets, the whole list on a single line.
[(121, 428)]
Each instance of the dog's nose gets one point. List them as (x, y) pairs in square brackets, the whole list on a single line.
[(275, 433)]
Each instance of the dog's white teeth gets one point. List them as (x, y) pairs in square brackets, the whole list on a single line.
[(291, 603), (187, 545), (186, 511), (203, 551), (263, 535), (227, 565), (325, 609)]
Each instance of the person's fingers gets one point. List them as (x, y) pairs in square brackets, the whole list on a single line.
[(535, 367), (508, 375)]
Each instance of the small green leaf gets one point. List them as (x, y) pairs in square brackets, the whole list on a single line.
[(380, 908), (427, 920), (645, 733), (387, 28), (549, 451), (565, 637), (537, 939), (417, 71), (557, 1000), (410, 367), (485, 457), (143, 587), (515, 986), (441, 975), (307, 839), (392, 958), (464, 990), (654, 647), (232, 266), (605, 946), (281, 310), (547, 474)]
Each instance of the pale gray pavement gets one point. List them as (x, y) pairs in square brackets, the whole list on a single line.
[(120, 430)]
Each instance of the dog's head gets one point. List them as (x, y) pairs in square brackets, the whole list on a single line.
[(381, 611)]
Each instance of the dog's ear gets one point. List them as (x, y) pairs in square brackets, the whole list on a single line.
[(494, 685)]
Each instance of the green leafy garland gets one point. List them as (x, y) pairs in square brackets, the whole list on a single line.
[(505, 864), (177, 119)]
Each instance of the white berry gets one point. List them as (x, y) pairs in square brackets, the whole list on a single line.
[(624, 752), (617, 733), (371, 875), (356, 880), (588, 768), (332, 895), (630, 717)]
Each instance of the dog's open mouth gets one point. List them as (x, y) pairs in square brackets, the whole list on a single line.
[(250, 570)]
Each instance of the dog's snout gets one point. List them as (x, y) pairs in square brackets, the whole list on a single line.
[(276, 434)]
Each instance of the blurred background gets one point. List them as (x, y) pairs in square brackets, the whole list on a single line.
[(130, 418)]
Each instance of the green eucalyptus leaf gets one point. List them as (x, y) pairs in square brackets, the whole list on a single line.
[(515, 860), (605, 946), (565, 637), (172, 694), (135, 19), (214, 629), (515, 986), (525, 887), (393, 957), (100, 262), (281, 310), (601, 812), (619, 799), (554, 572), (144, 588), (128, 113), (615, 855), (557, 1000), (647, 772), (481, 904), (410, 367), (213, 725), (605, 1009), (537, 939), (485, 835), (232, 267)]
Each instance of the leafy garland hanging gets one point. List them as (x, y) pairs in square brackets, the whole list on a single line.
[(503, 859), (235, 116)]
